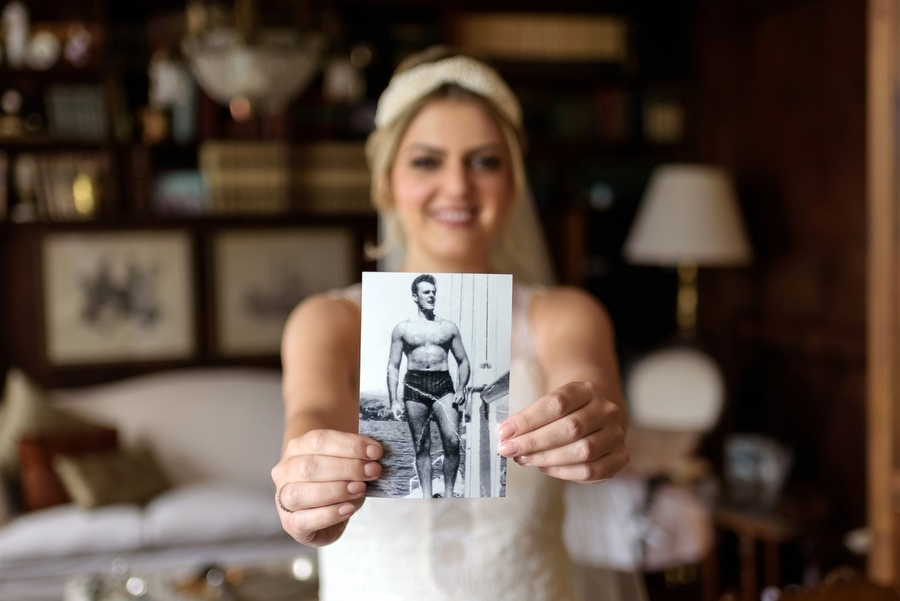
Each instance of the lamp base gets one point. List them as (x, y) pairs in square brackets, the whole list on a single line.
[(687, 299)]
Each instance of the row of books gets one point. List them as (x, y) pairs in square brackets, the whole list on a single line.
[(77, 112), (264, 177), (246, 176), (604, 115), (544, 37), (332, 177), (59, 186), (70, 185), (607, 115)]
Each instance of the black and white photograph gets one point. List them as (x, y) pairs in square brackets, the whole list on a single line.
[(120, 296), (261, 275), (434, 381)]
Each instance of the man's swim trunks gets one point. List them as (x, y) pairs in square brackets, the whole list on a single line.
[(426, 386)]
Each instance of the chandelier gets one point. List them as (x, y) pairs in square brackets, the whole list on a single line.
[(250, 69)]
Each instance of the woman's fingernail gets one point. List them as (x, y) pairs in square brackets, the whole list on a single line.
[(373, 452), (522, 459), (356, 488), (346, 509), (371, 469), (508, 448), (506, 431)]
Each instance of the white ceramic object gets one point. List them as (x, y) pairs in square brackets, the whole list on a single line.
[(677, 388)]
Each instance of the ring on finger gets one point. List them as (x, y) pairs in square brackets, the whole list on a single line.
[(280, 504)]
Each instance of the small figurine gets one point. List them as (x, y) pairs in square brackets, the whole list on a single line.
[(10, 122), (78, 45), (25, 177), (15, 23)]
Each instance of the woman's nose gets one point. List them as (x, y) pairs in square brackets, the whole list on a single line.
[(456, 180)]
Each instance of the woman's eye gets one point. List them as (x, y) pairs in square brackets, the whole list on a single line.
[(489, 163), (424, 162)]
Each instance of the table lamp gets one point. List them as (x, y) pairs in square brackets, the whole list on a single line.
[(689, 218)]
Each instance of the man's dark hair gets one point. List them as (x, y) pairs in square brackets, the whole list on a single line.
[(425, 277)]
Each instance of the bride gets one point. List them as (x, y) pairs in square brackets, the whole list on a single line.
[(448, 179)]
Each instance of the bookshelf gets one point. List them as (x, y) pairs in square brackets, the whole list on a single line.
[(603, 87), (589, 89)]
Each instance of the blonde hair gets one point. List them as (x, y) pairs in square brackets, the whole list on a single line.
[(383, 144)]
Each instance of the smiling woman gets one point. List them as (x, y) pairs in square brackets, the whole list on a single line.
[(447, 174)]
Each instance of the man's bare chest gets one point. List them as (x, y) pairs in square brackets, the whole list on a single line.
[(426, 333)]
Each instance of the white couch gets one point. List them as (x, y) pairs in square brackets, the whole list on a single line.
[(216, 434)]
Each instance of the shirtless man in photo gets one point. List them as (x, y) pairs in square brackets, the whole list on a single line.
[(428, 392)]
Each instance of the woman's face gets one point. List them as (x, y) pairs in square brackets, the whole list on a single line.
[(452, 182)]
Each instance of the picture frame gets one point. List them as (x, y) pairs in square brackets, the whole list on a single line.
[(260, 275), (118, 296)]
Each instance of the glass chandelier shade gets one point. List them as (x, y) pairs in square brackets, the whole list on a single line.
[(266, 67)]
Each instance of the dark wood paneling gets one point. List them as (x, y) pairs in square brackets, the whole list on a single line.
[(780, 100)]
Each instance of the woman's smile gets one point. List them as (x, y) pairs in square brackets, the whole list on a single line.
[(454, 217)]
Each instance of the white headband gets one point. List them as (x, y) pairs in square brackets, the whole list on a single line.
[(409, 86)]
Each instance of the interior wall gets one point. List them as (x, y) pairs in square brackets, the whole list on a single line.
[(780, 100)]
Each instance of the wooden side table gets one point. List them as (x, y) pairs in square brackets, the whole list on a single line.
[(755, 528)]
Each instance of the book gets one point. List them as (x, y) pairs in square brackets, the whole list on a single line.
[(246, 176), (331, 177), (542, 36)]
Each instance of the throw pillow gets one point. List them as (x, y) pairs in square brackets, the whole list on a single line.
[(99, 479), (25, 410), (40, 486)]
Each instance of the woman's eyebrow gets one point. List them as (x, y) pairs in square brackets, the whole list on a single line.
[(489, 147), (420, 147)]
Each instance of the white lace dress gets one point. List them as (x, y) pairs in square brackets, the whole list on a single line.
[(493, 549)]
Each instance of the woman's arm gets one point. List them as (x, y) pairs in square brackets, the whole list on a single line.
[(320, 480), (320, 362), (577, 430)]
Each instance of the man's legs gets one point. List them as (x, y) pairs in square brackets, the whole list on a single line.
[(417, 415), (447, 417)]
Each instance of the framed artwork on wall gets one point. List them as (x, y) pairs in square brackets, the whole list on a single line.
[(118, 296), (259, 276)]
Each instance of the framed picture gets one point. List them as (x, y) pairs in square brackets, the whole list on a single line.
[(259, 276), (112, 297)]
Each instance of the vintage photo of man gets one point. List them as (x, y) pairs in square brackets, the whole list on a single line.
[(440, 347), (427, 392)]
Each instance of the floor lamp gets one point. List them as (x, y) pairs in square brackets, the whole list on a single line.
[(689, 218)]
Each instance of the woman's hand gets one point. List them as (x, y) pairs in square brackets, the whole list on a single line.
[(321, 481), (572, 433)]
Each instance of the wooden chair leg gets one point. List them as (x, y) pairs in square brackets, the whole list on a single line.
[(747, 552)]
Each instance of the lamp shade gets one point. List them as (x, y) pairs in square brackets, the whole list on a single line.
[(689, 214)]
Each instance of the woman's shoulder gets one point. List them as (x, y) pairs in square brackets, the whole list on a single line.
[(326, 311), (351, 293), (554, 307), (568, 297)]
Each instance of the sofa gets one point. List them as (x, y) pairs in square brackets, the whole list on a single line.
[(214, 433)]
